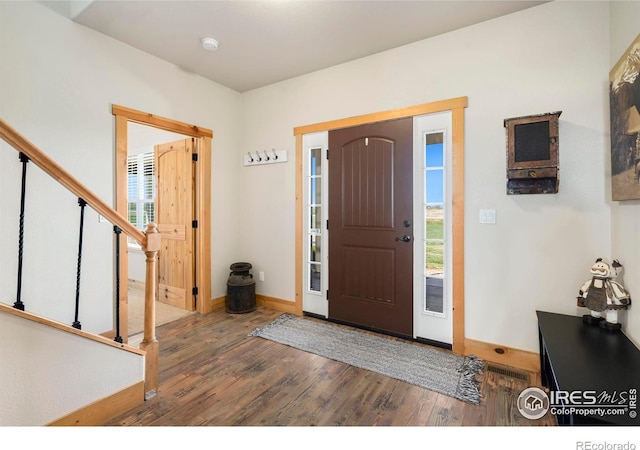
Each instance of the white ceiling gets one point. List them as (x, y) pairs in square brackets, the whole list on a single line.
[(263, 42)]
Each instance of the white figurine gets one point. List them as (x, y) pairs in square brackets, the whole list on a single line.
[(602, 294)]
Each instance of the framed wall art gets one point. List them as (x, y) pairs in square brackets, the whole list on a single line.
[(624, 98)]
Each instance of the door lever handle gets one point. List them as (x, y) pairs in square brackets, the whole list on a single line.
[(405, 238)]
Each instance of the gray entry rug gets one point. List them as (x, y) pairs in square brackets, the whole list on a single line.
[(418, 364)]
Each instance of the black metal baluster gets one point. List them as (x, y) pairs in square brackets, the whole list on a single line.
[(24, 160), (76, 322), (117, 231)]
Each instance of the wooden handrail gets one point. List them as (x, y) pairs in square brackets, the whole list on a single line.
[(150, 241), (5, 308), (48, 165)]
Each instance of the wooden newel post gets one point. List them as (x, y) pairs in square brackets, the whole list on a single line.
[(149, 343)]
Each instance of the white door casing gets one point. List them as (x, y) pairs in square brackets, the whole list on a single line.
[(315, 207), (432, 325)]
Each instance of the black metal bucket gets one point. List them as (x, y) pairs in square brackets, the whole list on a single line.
[(241, 289)]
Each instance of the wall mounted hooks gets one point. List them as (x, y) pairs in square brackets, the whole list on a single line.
[(259, 157)]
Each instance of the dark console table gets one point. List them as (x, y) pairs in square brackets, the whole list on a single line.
[(576, 357)]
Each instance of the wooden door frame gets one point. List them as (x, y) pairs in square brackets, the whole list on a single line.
[(456, 106), (202, 190)]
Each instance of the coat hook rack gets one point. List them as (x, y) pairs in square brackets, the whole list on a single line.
[(260, 157)]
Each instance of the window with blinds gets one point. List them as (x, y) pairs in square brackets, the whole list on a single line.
[(141, 190)]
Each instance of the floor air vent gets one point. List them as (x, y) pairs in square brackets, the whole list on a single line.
[(524, 376)]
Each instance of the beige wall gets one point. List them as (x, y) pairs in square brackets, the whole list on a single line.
[(548, 58), (62, 78), (58, 81), (62, 373)]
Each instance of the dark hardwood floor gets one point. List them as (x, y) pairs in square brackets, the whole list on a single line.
[(212, 373)]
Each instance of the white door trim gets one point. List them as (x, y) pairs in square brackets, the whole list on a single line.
[(315, 301), (432, 326)]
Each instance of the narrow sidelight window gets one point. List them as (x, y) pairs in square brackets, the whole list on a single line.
[(314, 232), (434, 222)]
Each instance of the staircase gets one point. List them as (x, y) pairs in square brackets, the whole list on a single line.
[(58, 374)]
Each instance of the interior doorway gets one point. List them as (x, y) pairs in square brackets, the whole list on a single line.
[(201, 205), (143, 208)]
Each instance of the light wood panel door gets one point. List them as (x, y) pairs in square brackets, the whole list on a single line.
[(174, 215)]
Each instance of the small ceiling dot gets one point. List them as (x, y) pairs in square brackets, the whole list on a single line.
[(209, 44)]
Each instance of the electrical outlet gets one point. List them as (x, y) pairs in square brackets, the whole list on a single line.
[(261, 276)]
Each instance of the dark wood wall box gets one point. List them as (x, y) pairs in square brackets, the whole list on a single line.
[(532, 153)]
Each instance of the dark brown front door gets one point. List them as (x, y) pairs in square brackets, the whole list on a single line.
[(370, 226)]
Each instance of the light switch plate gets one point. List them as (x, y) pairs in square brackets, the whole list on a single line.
[(488, 216)]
